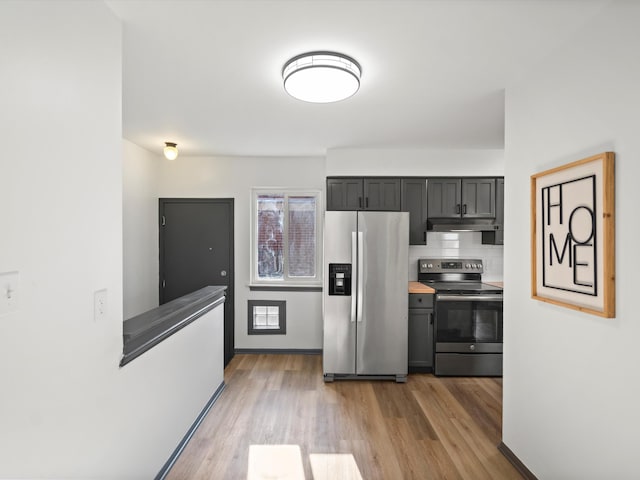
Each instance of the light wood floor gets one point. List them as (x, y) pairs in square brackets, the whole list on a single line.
[(429, 428)]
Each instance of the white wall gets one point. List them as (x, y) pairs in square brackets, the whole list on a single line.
[(414, 162), (233, 177), (66, 409), (571, 381), (139, 229)]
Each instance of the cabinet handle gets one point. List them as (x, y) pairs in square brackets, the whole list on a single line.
[(425, 236), (431, 318), (457, 208), (359, 202), (366, 202), (464, 209)]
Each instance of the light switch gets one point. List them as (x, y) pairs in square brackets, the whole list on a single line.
[(9, 292)]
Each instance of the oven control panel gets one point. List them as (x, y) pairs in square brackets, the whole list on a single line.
[(450, 265)]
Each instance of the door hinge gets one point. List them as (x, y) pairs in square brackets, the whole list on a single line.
[(164, 221)]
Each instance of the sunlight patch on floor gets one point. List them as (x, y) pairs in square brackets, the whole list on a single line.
[(284, 462), (275, 462), (332, 466)]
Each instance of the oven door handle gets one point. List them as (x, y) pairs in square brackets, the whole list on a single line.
[(467, 298)]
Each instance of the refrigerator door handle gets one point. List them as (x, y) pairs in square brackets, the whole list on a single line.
[(354, 274), (360, 269)]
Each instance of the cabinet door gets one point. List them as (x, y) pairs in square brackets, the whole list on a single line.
[(496, 236), (479, 197), (344, 194), (414, 201), (421, 338), (444, 198), (500, 211), (382, 194)]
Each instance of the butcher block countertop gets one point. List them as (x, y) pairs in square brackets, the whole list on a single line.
[(417, 287), (496, 284)]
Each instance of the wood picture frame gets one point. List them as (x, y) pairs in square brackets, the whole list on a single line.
[(573, 235)]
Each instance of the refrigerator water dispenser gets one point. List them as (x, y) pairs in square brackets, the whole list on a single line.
[(340, 279)]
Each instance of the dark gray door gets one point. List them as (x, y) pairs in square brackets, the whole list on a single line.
[(196, 250)]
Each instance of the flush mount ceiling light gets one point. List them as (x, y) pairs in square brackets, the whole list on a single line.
[(321, 77), (170, 150)]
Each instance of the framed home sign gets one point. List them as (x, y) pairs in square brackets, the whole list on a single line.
[(573, 235)]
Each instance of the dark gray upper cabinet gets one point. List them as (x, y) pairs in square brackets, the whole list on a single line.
[(500, 201), (382, 194), (444, 197), (348, 193), (479, 197), (414, 201), (461, 197), (496, 237), (345, 194)]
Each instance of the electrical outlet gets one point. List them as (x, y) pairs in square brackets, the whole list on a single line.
[(8, 292), (100, 305)]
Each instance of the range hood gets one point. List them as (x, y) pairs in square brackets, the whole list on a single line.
[(462, 225)]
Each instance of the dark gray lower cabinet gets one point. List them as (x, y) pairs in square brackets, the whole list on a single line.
[(420, 332)]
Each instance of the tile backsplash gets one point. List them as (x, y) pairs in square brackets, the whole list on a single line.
[(458, 245)]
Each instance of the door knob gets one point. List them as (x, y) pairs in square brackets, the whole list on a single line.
[(223, 273)]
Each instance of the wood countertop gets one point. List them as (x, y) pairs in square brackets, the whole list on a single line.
[(496, 284), (417, 287)]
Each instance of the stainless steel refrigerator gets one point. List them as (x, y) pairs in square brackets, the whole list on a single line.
[(365, 299)]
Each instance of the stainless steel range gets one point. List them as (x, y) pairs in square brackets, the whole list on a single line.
[(468, 317)]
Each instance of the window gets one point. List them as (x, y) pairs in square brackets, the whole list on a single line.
[(286, 244), (267, 317)]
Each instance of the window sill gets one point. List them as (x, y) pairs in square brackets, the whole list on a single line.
[(144, 331)]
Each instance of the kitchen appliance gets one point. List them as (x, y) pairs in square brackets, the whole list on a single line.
[(365, 304), (468, 317)]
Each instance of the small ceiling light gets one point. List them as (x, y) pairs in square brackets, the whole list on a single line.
[(170, 150), (321, 77)]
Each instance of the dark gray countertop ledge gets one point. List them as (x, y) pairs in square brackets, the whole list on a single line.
[(144, 331)]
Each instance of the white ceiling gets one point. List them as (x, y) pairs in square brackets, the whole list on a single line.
[(207, 74)]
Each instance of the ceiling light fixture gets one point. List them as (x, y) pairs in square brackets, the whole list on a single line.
[(321, 77), (170, 150)]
